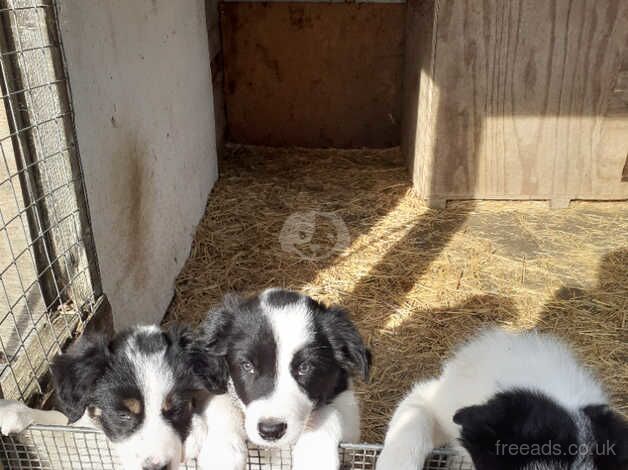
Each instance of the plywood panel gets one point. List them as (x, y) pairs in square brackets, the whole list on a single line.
[(313, 74), (523, 101)]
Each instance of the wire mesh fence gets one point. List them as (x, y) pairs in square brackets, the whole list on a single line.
[(67, 448), (48, 274)]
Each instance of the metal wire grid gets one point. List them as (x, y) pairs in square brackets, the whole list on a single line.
[(48, 271), (68, 448)]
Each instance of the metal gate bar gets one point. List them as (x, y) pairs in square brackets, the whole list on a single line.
[(71, 448)]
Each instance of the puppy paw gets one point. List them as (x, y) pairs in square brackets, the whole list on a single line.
[(220, 453), (196, 438), (393, 458), (15, 417)]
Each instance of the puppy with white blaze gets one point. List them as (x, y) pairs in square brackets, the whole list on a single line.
[(514, 402), (146, 389), (291, 361)]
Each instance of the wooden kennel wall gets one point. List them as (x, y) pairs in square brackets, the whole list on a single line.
[(497, 99), (517, 100)]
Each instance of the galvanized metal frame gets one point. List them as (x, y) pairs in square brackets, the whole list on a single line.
[(68, 448)]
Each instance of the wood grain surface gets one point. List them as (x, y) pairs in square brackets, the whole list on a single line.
[(519, 100)]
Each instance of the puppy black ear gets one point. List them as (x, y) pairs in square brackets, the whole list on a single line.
[(346, 342), (611, 435), (217, 325), (189, 350), (75, 373), (514, 417), (476, 420)]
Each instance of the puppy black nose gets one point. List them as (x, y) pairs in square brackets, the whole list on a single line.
[(155, 466), (271, 430)]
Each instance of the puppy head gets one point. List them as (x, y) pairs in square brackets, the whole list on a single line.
[(524, 430), (142, 388), (287, 356), (610, 431)]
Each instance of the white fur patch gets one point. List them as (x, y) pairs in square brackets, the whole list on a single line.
[(155, 442), (292, 329)]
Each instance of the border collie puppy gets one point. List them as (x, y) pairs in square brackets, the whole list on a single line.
[(146, 389), (291, 361), (515, 402)]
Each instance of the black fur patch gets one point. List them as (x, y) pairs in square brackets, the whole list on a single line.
[(240, 332), (324, 379), (518, 429), (611, 438), (151, 343), (346, 343), (336, 353), (75, 374), (283, 298)]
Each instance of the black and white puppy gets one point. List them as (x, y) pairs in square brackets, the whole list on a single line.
[(291, 361), (515, 402), (147, 390)]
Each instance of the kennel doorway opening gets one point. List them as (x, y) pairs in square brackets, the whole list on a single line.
[(308, 74)]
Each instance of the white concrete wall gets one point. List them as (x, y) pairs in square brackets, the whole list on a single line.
[(140, 77)]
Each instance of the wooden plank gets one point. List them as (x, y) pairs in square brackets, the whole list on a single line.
[(518, 101)]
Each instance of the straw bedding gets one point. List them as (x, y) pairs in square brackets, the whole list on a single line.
[(346, 228)]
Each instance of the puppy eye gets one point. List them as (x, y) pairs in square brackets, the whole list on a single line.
[(303, 368), (247, 366)]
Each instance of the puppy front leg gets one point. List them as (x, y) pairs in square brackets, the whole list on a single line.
[(15, 417), (317, 448), (412, 432), (225, 446)]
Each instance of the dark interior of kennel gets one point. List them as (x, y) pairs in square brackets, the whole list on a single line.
[(308, 74)]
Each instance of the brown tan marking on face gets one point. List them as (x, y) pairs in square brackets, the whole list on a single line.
[(133, 405)]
